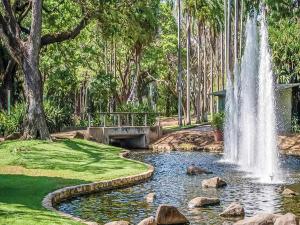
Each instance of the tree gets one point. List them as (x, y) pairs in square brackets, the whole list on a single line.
[(26, 53)]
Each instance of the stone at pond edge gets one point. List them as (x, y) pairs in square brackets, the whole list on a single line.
[(288, 192), (13, 136), (168, 215), (194, 170), (287, 219), (259, 219), (233, 210), (148, 221), (121, 222), (215, 182), (150, 197), (203, 201)]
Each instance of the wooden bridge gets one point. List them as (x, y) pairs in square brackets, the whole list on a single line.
[(126, 129)]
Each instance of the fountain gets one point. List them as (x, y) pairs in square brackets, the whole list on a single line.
[(248, 99), (250, 126)]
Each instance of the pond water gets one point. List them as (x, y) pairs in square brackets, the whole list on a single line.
[(172, 186)]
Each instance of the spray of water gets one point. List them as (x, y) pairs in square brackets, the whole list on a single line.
[(248, 96), (267, 156), (250, 124)]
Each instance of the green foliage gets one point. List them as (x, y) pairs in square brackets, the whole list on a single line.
[(140, 108), (57, 117), (295, 125), (12, 122), (218, 121), (285, 39)]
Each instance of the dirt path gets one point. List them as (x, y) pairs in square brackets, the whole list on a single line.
[(201, 138)]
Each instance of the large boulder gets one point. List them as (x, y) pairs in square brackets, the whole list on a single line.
[(289, 193), (13, 136), (233, 210), (150, 197), (215, 182), (148, 221), (259, 219), (203, 201), (194, 170), (287, 219), (121, 222), (168, 215)]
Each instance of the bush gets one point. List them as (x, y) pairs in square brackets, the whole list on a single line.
[(57, 117), (13, 122), (217, 121)]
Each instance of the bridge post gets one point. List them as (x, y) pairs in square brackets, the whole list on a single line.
[(132, 120), (104, 120), (145, 124), (119, 120)]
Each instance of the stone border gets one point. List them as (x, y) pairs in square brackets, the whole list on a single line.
[(62, 194)]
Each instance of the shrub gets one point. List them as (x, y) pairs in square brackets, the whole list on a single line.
[(218, 121), (10, 123)]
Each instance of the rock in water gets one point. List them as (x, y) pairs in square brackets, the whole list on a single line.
[(287, 219), (215, 182), (150, 197), (168, 215), (202, 202), (289, 193), (194, 170), (259, 219), (148, 221), (233, 210), (121, 222)]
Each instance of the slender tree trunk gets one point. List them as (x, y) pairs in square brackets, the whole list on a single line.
[(199, 98), (179, 82), (229, 65), (222, 61), (211, 81), (236, 31), (7, 83), (188, 75), (241, 28), (204, 75)]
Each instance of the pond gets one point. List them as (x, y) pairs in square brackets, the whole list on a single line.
[(172, 186)]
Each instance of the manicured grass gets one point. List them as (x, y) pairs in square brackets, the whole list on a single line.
[(31, 169)]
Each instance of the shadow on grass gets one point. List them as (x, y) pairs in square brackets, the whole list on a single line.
[(77, 156), (29, 191)]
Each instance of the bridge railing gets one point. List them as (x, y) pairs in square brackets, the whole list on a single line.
[(121, 119)]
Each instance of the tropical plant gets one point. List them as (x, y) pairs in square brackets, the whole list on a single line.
[(217, 121)]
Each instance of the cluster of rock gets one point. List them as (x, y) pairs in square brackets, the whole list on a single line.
[(270, 219), (168, 215), (165, 215)]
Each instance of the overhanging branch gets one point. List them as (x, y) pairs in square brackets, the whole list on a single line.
[(66, 35)]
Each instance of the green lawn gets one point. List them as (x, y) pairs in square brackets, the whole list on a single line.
[(31, 169)]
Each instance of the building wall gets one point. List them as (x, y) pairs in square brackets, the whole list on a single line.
[(284, 110)]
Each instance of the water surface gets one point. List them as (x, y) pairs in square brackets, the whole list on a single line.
[(172, 186)]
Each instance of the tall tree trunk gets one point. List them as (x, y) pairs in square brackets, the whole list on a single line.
[(241, 28), (7, 83), (199, 98), (179, 81), (222, 61), (35, 125), (229, 65), (236, 31), (211, 81), (188, 75), (204, 75)]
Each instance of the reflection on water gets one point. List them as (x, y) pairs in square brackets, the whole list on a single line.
[(172, 186)]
